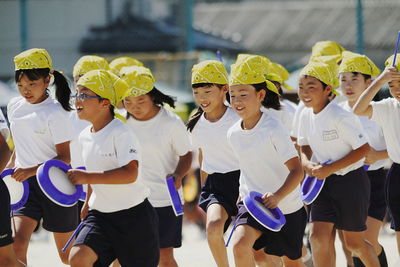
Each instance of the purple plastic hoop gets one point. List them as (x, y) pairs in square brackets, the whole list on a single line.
[(308, 192), (50, 190), (25, 195), (174, 196), (274, 223)]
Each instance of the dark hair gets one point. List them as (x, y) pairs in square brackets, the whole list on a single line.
[(63, 92), (160, 99), (366, 76), (196, 116), (271, 99), (324, 85)]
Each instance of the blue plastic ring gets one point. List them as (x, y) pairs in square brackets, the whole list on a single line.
[(174, 196), (25, 195)]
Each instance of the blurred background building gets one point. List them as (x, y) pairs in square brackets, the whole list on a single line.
[(169, 36)]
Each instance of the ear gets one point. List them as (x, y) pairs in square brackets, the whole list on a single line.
[(328, 89), (105, 103), (47, 80), (225, 88), (368, 82), (261, 94)]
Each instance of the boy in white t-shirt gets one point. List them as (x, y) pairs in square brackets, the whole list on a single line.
[(121, 223), (269, 164), (387, 114)]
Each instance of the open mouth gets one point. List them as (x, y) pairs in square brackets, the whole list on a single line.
[(204, 105), (307, 100)]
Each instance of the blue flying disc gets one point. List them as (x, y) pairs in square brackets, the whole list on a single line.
[(272, 219), (53, 180), (174, 196), (83, 195), (311, 187), (19, 191)]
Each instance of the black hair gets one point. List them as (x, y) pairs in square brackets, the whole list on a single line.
[(63, 92), (160, 99), (196, 116), (271, 99), (366, 76)]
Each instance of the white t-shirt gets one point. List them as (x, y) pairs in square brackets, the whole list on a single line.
[(75, 149), (210, 137), (332, 134), (163, 140), (5, 132), (284, 115), (291, 106), (387, 114), (263, 152), (374, 135), (112, 147), (36, 129)]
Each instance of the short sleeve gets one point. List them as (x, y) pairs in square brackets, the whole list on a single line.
[(380, 111), (302, 131), (5, 132), (352, 131), (180, 137), (60, 127), (127, 147), (283, 144)]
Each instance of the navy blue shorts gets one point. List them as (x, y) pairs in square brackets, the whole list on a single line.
[(56, 218), (377, 203), (169, 228), (5, 220), (222, 189), (344, 201), (392, 190), (130, 235), (287, 242)]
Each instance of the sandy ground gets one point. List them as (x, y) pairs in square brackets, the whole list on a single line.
[(193, 253)]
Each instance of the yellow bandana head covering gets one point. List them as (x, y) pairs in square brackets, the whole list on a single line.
[(88, 63), (327, 48), (389, 61), (323, 72), (353, 62), (117, 64), (251, 69), (35, 58), (140, 80), (209, 71), (105, 84), (278, 73)]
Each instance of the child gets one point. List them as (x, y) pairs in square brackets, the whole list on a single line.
[(41, 132), (269, 164), (355, 74), (219, 166), (7, 254), (121, 223), (387, 114), (166, 151), (327, 132)]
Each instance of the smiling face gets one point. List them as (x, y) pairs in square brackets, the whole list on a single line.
[(209, 97), (34, 91), (90, 109), (353, 84), (313, 94), (245, 100), (141, 107)]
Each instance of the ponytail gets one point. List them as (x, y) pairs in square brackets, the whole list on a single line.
[(160, 99), (63, 92), (194, 119), (271, 99)]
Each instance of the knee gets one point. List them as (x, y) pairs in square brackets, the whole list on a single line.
[(64, 258), (241, 248), (354, 245), (319, 242), (78, 259), (20, 244), (215, 228)]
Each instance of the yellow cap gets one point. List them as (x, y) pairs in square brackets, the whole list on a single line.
[(389, 62), (35, 58), (323, 72), (353, 62), (278, 73), (140, 80), (251, 69), (88, 63), (105, 84), (209, 71), (327, 48), (117, 64)]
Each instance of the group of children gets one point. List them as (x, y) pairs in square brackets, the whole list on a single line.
[(247, 138)]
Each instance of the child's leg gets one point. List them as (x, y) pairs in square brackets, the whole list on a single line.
[(243, 241), (82, 256), (361, 248), (216, 218), (167, 258), (61, 239), (24, 227), (372, 233), (322, 244), (7, 257), (292, 263), (346, 251), (264, 260)]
